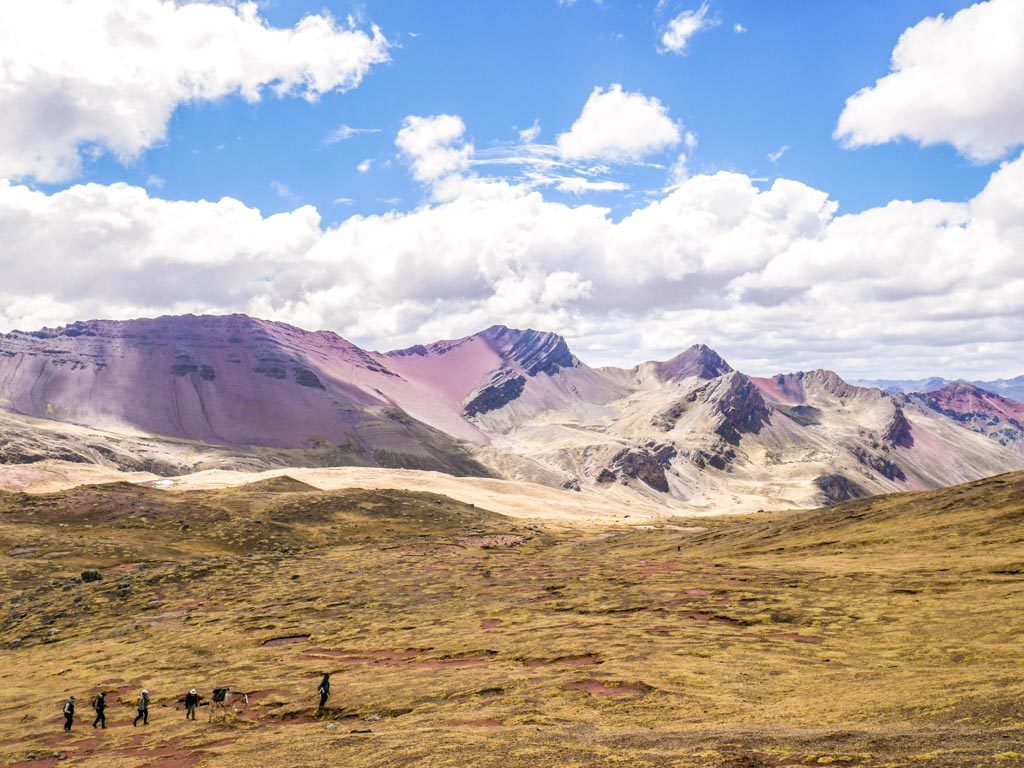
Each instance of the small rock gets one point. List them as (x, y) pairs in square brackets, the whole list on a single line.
[(373, 719), (330, 727), (91, 574), (361, 730)]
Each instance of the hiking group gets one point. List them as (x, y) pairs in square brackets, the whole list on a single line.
[(191, 700)]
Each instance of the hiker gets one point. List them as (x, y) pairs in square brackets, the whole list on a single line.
[(100, 705), (143, 709), (324, 689), (191, 702), (69, 713)]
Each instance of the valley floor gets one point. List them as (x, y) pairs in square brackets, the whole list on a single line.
[(885, 632)]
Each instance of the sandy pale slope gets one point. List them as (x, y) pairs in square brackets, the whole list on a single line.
[(513, 498)]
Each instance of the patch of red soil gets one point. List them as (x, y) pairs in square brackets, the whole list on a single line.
[(288, 640), (486, 722), (565, 661), (810, 639), (491, 623), (597, 688), (126, 568), (697, 592), (651, 569)]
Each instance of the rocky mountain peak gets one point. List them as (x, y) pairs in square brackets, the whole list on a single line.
[(532, 351), (699, 360)]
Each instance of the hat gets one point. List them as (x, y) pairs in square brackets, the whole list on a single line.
[(193, 691), (145, 691), (71, 699)]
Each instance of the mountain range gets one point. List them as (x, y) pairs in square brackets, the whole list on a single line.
[(181, 393), (1011, 388)]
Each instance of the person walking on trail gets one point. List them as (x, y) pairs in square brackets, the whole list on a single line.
[(324, 689), (143, 714), (100, 705), (69, 713), (191, 702)]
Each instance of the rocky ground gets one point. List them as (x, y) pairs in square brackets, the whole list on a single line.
[(884, 632)]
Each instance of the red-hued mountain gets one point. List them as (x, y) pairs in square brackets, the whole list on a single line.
[(699, 360), (230, 380), (174, 394), (238, 381), (983, 411)]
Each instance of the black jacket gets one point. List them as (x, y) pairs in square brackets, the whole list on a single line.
[(99, 703), (69, 709), (191, 700)]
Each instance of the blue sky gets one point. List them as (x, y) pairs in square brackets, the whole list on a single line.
[(799, 184), (500, 66)]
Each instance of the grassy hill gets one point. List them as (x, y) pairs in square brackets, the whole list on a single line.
[(882, 632)]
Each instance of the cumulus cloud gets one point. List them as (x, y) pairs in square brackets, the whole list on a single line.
[(619, 126), (679, 30), (434, 146), (772, 277), (106, 75), (954, 80)]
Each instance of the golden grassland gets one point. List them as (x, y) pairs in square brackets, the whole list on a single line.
[(885, 632)]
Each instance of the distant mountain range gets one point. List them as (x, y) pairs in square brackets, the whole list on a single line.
[(1011, 388), (177, 394)]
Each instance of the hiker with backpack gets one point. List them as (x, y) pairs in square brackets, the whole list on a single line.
[(100, 705), (69, 712), (324, 689), (191, 702), (143, 707)]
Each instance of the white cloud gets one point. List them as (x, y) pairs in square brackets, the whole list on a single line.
[(283, 190), (529, 135), (678, 31), (343, 201), (770, 276), (619, 126), (577, 185), (364, 165), (434, 146), (105, 75), (680, 170), (738, 28), (958, 80), (344, 132), (155, 182), (778, 153)]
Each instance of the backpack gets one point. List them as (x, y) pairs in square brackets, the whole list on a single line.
[(219, 694)]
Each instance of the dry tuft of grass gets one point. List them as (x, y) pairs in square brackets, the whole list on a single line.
[(883, 632)]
